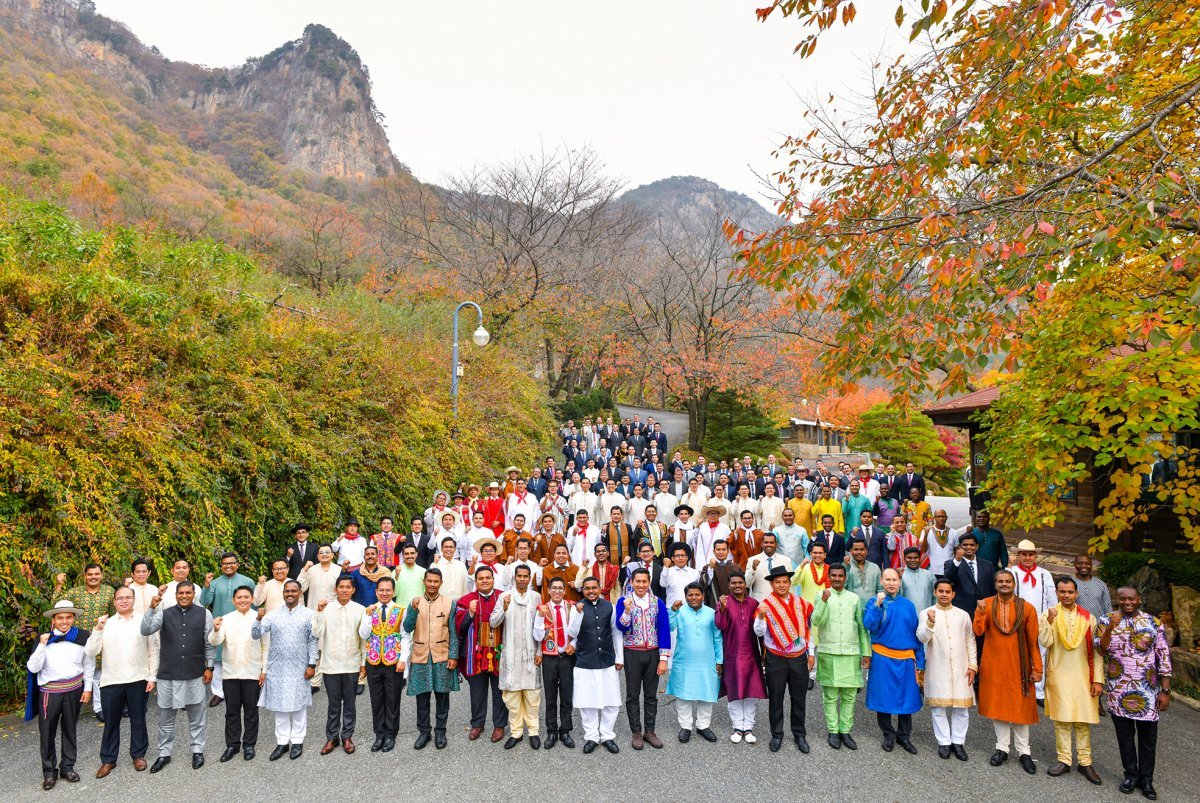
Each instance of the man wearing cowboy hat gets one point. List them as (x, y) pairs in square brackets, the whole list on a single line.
[(60, 682), (708, 533), (1035, 585), (510, 484)]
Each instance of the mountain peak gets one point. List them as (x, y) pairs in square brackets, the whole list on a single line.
[(693, 197)]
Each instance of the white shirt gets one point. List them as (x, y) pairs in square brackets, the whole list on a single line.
[(582, 543), (582, 500), (756, 578), (64, 660), (526, 506), (351, 549), (674, 580), (454, 576), (870, 489), (770, 512), (142, 594), (1041, 596), (637, 510), (938, 554), (703, 539), (243, 656), (128, 655), (607, 502), (270, 593), (666, 502), (510, 570), (321, 583), (336, 627), (737, 506), (168, 596)]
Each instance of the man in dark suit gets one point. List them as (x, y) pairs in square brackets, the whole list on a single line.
[(427, 547), (903, 482), (637, 442), (974, 578), (875, 538), (300, 550), (645, 560), (536, 484), (659, 437)]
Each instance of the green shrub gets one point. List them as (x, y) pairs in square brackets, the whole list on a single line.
[(596, 401), (1182, 570)]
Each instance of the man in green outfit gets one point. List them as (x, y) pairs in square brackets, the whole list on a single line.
[(844, 652), (217, 596), (862, 575)]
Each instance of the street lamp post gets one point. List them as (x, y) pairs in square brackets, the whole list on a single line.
[(480, 336)]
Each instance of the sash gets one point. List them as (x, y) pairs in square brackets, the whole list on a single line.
[(32, 689), (785, 622), (898, 655)]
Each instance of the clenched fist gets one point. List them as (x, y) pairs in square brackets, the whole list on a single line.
[(217, 624), (321, 605), (100, 622), (825, 595), (473, 606), (1051, 615)]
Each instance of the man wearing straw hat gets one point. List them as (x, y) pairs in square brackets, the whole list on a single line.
[(60, 682)]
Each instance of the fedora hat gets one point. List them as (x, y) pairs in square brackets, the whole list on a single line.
[(62, 606)]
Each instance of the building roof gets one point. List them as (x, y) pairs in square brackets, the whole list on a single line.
[(979, 400)]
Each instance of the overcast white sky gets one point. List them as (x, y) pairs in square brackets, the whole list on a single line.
[(657, 87)]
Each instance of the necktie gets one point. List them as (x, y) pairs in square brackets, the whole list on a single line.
[(971, 569), (770, 562), (560, 636)]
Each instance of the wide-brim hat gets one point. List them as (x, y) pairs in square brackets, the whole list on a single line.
[(62, 606), (472, 485), (864, 467), (482, 542), (779, 571), (511, 469), (682, 508), (301, 525), (492, 485), (1026, 546), (720, 511)]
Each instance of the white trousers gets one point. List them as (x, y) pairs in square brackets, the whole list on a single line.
[(1020, 736), (291, 726), (741, 714), (218, 688), (703, 713), (949, 725), (599, 723), (96, 706)]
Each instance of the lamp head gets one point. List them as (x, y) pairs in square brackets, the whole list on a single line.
[(481, 337)]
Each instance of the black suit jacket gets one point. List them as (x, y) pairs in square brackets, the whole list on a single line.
[(427, 549), (876, 538), (967, 590), (901, 488), (299, 557)]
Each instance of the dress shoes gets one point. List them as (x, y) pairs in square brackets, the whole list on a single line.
[(475, 733), (848, 740), (296, 751), (1089, 772), (1128, 785), (567, 741), (439, 741), (889, 742), (377, 745), (1027, 764), (998, 758), (104, 770), (776, 743), (248, 753), (349, 746), (637, 743), (215, 701), (70, 776), (139, 764), (802, 744), (589, 747), (197, 760), (358, 692), (389, 744), (551, 740), (159, 763), (48, 782), (1148, 791), (230, 753), (959, 752), (497, 734), (685, 736), (535, 742), (835, 741), (652, 739), (908, 746), (512, 742), (810, 684), (278, 752), (611, 746), (944, 751), (1058, 769), (422, 740), (707, 734), (329, 747)]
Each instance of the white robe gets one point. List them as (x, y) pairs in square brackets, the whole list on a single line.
[(517, 670), (949, 653)]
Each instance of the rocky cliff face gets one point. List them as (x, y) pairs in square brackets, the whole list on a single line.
[(311, 97), (692, 200)]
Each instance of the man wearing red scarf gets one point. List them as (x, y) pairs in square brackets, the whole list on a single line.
[(782, 621), (493, 510), (479, 659), (1035, 585)]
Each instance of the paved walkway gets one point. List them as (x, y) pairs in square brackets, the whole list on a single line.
[(673, 423)]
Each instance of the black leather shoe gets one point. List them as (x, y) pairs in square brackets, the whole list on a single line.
[(1028, 765), (159, 763), (535, 742), (389, 744), (889, 742), (567, 741), (248, 753), (707, 734), (230, 753), (1148, 791), (810, 684), (48, 782), (835, 741), (512, 742), (685, 735), (907, 745), (1128, 785), (70, 776), (439, 741), (197, 760), (959, 752), (377, 745), (278, 752), (589, 747), (776, 743), (848, 740), (551, 740), (802, 744), (944, 751), (296, 751), (611, 746), (998, 758), (359, 691), (422, 740)]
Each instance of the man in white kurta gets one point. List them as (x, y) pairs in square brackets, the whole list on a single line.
[(1035, 585), (291, 663), (269, 592), (707, 534), (321, 580), (454, 571), (582, 538), (950, 666), (244, 663), (520, 679), (599, 655), (343, 659)]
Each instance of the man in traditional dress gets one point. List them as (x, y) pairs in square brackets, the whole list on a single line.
[(1137, 685), (950, 667), (707, 534), (516, 617), (561, 567), (916, 583), (245, 670), (782, 620), (1074, 679), (677, 576), (582, 538), (291, 665), (367, 576), (746, 541), (1009, 669), (59, 683), (410, 576), (863, 577), (185, 668), (645, 625), (939, 542), (557, 662), (522, 556), (217, 596), (826, 505), (350, 546), (792, 538), (386, 543), (652, 531), (605, 572), (512, 537), (714, 577), (131, 664), (478, 658), (269, 593), (599, 656), (466, 542), (1035, 585), (742, 662), (698, 656), (432, 664), (336, 626), (844, 652), (387, 648), (812, 575), (891, 621)]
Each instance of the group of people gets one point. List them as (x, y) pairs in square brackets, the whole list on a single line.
[(527, 598)]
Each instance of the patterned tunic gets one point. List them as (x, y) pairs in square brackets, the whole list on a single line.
[(1137, 657), (292, 648), (93, 606), (431, 676)]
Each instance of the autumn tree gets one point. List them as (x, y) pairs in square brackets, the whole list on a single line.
[(324, 248), (1022, 193)]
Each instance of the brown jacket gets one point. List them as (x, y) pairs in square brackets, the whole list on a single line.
[(740, 551), (432, 633), (568, 575)]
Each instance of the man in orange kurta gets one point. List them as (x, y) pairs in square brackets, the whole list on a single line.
[(1010, 666)]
